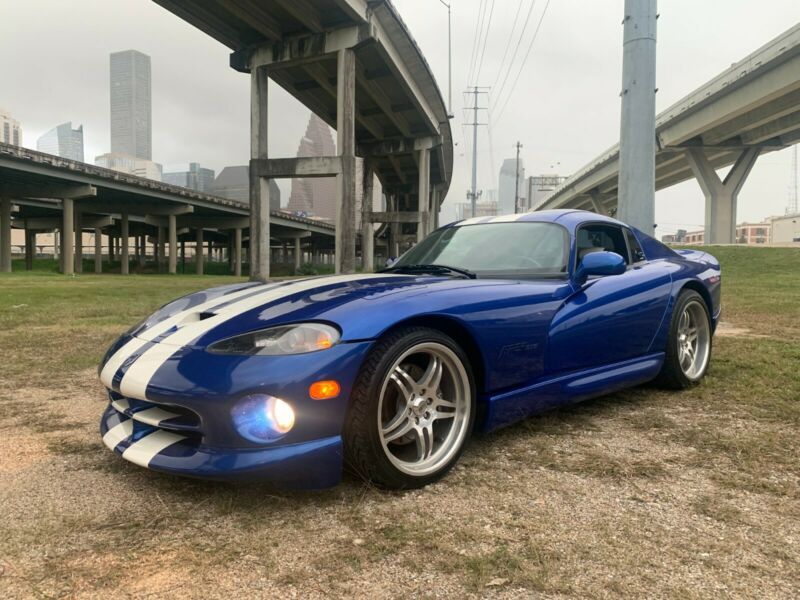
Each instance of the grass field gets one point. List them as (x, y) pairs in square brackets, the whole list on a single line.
[(642, 493)]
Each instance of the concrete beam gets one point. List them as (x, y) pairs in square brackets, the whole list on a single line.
[(395, 217), (73, 192), (298, 50), (315, 166), (214, 222)]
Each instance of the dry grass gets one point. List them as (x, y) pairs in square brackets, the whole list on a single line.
[(640, 494)]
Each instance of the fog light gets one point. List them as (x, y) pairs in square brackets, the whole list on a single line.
[(261, 418), (324, 390)]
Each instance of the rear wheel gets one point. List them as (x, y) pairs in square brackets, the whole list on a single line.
[(411, 411), (689, 346)]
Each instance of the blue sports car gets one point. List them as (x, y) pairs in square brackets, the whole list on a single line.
[(485, 322)]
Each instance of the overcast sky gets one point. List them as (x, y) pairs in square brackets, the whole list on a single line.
[(565, 108)]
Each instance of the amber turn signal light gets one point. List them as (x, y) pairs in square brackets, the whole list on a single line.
[(324, 390)]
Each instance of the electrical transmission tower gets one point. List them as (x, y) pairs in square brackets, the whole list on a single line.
[(475, 92)]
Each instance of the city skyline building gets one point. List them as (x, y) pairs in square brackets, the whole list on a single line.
[(131, 104), (507, 186), (125, 163), (189, 175), (233, 183), (315, 196), (10, 129), (63, 141)]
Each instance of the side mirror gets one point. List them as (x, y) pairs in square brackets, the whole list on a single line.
[(600, 264)]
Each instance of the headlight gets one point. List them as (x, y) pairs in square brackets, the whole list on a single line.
[(261, 418), (286, 339)]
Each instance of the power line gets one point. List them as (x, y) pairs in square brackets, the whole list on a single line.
[(525, 60), (508, 43), (475, 39), (485, 39), (516, 49)]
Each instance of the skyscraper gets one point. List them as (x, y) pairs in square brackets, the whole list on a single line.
[(63, 141), (191, 176), (10, 130), (234, 183), (131, 105), (315, 196)]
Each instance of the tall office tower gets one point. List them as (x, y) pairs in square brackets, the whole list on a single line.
[(234, 183), (191, 176), (10, 129), (131, 105), (315, 196), (63, 141), (507, 187)]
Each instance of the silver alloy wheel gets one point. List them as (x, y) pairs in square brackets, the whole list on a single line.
[(694, 340), (424, 409)]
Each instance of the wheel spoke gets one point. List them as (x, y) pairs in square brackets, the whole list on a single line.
[(398, 427), (432, 377), (424, 441), (404, 381)]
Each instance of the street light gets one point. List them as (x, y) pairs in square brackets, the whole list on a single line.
[(449, 63)]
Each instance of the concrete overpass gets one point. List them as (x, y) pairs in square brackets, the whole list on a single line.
[(355, 64), (41, 193), (750, 109)]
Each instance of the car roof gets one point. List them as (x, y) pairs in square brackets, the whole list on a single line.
[(570, 218)]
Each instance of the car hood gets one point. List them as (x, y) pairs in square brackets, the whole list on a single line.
[(203, 318)]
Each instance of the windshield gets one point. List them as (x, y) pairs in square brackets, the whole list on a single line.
[(516, 248)]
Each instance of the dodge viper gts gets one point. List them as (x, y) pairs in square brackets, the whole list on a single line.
[(483, 323)]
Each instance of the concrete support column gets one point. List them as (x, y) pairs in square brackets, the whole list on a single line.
[(210, 252), (367, 230), (237, 252), (298, 254), (721, 196), (424, 192), (5, 235), (67, 238), (111, 248), (161, 248), (173, 244), (346, 180), (98, 250), (124, 237), (30, 248), (78, 240), (198, 255), (259, 186)]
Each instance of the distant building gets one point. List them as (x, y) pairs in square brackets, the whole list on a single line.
[(315, 195), (63, 141), (233, 183), (190, 175), (541, 186), (785, 229), (482, 209), (746, 234), (507, 187), (131, 104), (124, 163), (10, 130), (674, 238)]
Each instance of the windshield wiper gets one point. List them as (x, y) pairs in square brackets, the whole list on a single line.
[(422, 268)]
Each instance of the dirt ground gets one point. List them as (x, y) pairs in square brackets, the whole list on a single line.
[(644, 493)]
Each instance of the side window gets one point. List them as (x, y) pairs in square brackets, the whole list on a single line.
[(600, 236), (637, 255)]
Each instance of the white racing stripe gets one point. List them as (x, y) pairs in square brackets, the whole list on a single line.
[(121, 405), (144, 450), (507, 218), (153, 416), (119, 432), (137, 377)]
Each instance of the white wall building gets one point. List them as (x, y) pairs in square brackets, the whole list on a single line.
[(507, 187), (124, 163)]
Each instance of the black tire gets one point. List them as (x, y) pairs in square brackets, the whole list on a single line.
[(673, 376), (365, 455)]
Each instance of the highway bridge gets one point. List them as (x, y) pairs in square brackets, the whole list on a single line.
[(750, 109), (355, 64), (42, 193)]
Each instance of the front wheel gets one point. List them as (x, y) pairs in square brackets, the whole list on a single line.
[(689, 346), (412, 409)]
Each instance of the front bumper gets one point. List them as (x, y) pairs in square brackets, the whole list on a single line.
[(183, 425)]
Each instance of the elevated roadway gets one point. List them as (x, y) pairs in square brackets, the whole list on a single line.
[(749, 109)]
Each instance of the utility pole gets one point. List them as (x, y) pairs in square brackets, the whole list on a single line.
[(637, 143), (516, 183), (473, 194)]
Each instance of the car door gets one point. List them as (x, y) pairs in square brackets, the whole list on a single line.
[(614, 318)]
